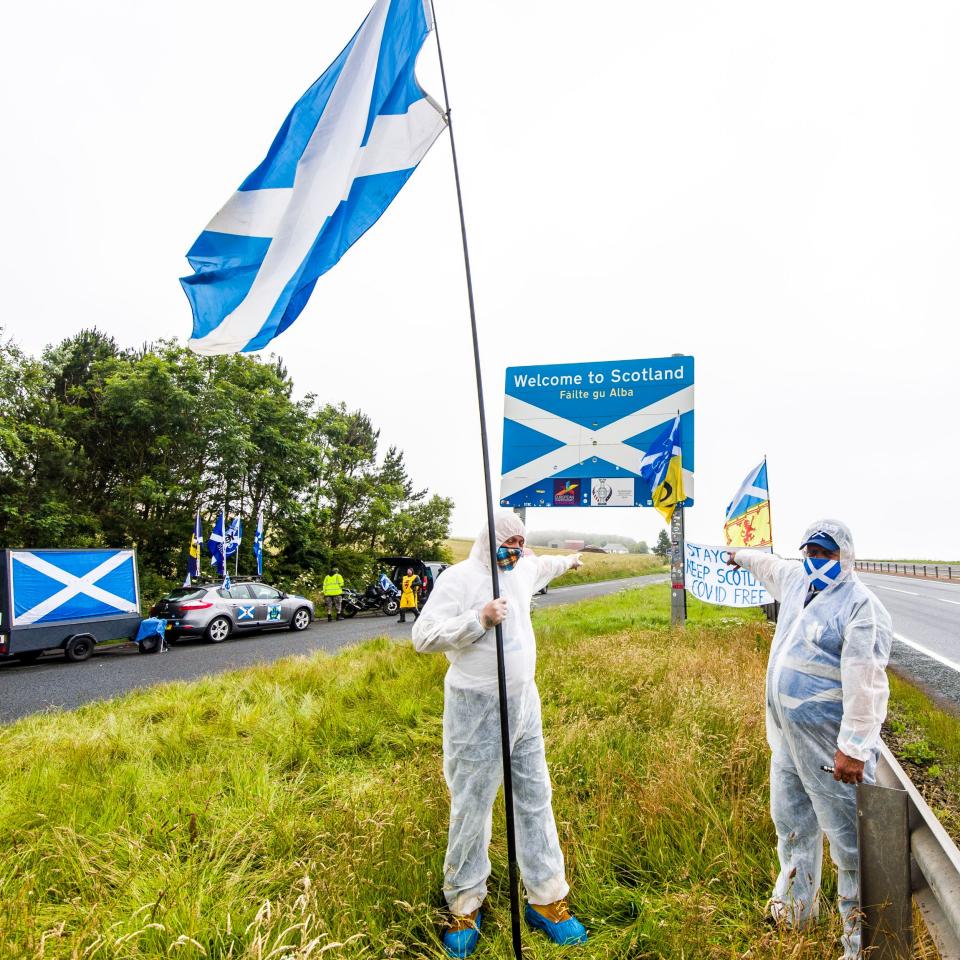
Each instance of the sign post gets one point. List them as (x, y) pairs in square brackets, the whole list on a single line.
[(678, 592)]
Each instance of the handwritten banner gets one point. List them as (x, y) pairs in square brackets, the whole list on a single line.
[(709, 578)]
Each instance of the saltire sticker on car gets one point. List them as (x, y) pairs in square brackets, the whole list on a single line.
[(244, 613)]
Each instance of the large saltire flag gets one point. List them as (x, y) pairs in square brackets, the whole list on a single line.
[(748, 513), (343, 153), (662, 468)]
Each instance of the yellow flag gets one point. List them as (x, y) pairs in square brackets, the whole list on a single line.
[(751, 528), (670, 492)]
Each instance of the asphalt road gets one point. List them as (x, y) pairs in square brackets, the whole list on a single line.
[(52, 682), (926, 623)]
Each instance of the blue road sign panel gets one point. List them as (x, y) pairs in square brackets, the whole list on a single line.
[(574, 433)]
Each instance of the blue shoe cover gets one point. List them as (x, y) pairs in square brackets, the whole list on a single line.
[(461, 943), (567, 933)]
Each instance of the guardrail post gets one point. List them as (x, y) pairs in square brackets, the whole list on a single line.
[(883, 831)]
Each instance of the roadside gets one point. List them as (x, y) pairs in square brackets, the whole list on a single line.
[(596, 568), (926, 740), (302, 802), (948, 573)]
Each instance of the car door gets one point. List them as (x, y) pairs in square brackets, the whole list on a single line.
[(270, 606), (243, 607)]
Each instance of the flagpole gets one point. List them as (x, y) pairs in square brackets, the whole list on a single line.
[(494, 580), (769, 505), (223, 541)]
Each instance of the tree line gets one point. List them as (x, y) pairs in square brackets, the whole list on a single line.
[(104, 446)]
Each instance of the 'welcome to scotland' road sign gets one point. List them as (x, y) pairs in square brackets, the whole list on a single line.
[(574, 433)]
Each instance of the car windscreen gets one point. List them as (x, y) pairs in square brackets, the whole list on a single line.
[(185, 593)]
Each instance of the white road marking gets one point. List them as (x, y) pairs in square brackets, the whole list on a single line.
[(945, 600), (909, 593), (927, 652)]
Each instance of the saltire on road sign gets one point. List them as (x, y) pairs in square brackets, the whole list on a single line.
[(71, 585), (556, 434), (748, 513), (346, 149)]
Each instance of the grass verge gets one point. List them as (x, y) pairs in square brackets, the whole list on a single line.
[(596, 566), (297, 809), (926, 741)]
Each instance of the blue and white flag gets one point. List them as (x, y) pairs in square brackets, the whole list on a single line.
[(215, 544), (343, 153), (258, 544), (54, 585), (234, 537)]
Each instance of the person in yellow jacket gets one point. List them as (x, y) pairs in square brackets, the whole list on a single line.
[(409, 588), (333, 594)]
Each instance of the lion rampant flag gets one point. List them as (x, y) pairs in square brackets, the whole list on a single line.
[(748, 513)]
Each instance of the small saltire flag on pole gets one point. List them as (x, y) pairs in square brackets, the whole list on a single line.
[(662, 468), (748, 513), (215, 544), (258, 544), (193, 563), (347, 147), (234, 537)]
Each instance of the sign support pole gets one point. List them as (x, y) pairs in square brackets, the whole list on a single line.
[(678, 591), (513, 870)]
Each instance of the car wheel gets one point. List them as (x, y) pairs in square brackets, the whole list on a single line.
[(218, 630), (390, 607), (300, 619), (79, 648)]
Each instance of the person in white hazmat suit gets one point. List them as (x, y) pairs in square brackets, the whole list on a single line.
[(458, 620), (826, 695)]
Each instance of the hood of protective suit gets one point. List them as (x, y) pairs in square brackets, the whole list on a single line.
[(506, 524), (841, 536)]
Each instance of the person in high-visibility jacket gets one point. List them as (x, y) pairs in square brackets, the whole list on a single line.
[(409, 588), (333, 594)]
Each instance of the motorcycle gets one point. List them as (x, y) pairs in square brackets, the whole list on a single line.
[(373, 598)]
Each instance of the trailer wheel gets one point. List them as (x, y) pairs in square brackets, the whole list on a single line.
[(149, 644), (79, 647)]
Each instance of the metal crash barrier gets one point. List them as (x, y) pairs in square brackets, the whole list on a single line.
[(905, 854)]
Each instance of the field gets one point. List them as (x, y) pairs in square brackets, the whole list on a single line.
[(596, 566), (298, 809)]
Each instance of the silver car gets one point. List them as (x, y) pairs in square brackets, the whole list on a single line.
[(211, 612)]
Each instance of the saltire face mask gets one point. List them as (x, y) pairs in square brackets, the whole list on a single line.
[(822, 572)]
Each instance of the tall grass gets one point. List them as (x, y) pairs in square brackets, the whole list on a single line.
[(596, 566), (298, 810)]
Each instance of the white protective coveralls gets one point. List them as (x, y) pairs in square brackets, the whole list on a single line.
[(826, 690), (472, 757)]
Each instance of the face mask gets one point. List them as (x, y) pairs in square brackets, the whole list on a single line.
[(508, 557), (822, 572)]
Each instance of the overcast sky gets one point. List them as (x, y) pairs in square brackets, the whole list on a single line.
[(772, 188)]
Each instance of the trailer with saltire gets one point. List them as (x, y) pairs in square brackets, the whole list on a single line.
[(68, 600)]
